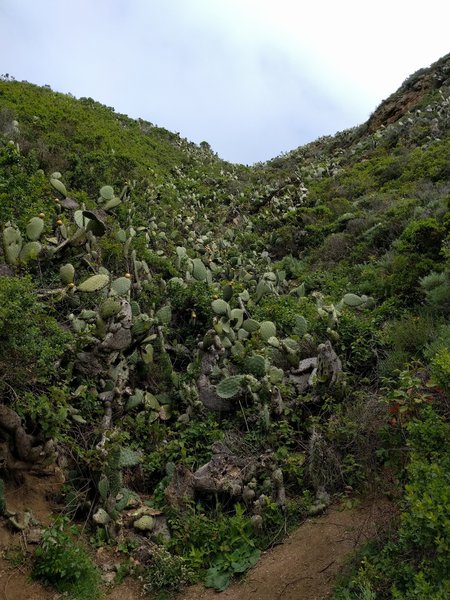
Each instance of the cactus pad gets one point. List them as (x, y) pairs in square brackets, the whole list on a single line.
[(229, 387)]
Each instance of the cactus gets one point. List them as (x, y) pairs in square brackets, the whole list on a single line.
[(121, 236), (106, 193), (67, 273), (94, 223), (35, 228), (136, 399), (112, 203), (94, 283), (164, 315), (275, 375), (227, 293), (220, 307), (199, 270), (58, 185), (262, 289), (299, 291), (250, 325), (109, 308), (229, 387), (128, 458), (12, 244), (237, 315), (103, 487), (256, 365), (267, 330), (121, 286), (301, 325), (30, 251), (352, 300), (274, 342)]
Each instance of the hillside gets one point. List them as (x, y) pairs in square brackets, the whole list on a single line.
[(208, 353)]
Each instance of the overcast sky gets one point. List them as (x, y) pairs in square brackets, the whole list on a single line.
[(254, 78)]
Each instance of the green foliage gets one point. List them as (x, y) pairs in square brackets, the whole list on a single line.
[(440, 368), (424, 236), (167, 572), (182, 256), (64, 564), (230, 386), (28, 354), (415, 562), (220, 545)]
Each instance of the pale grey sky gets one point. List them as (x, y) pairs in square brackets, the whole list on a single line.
[(254, 78)]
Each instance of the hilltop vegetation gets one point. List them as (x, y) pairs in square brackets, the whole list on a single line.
[(212, 352)]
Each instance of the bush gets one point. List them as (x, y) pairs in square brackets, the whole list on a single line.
[(167, 572), (66, 565), (415, 562), (440, 368), (32, 340)]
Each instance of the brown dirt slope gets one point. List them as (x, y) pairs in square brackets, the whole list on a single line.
[(306, 565)]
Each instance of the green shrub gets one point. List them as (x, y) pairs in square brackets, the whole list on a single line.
[(424, 236), (167, 572), (66, 565), (32, 340), (440, 368), (415, 562)]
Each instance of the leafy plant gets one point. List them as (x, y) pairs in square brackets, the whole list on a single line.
[(66, 565)]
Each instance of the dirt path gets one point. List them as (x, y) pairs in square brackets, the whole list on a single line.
[(305, 566)]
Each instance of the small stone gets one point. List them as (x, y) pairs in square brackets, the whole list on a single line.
[(34, 535), (108, 577)]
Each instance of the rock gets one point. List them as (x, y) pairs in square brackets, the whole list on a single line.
[(161, 530), (225, 472), (69, 204), (34, 535), (144, 523), (328, 364), (307, 364), (180, 491), (21, 520), (119, 340), (108, 577)]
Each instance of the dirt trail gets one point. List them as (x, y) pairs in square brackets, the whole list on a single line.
[(305, 566)]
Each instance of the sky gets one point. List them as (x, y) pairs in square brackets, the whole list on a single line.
[(253, 78)]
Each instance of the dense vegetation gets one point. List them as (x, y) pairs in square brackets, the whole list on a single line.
[(213, 352)]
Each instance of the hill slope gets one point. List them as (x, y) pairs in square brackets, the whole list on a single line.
[(212, 352)]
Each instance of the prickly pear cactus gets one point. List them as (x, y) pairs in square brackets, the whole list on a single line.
[(58, 185), (12, 244), (267, 330), (35, 227), (67, 273), (30, 251), (229, 387), (220, 307), (199, 270), (121, 286), (94, 283), (256, 365)]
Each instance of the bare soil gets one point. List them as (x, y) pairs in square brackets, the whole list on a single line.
[(305, 566)]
